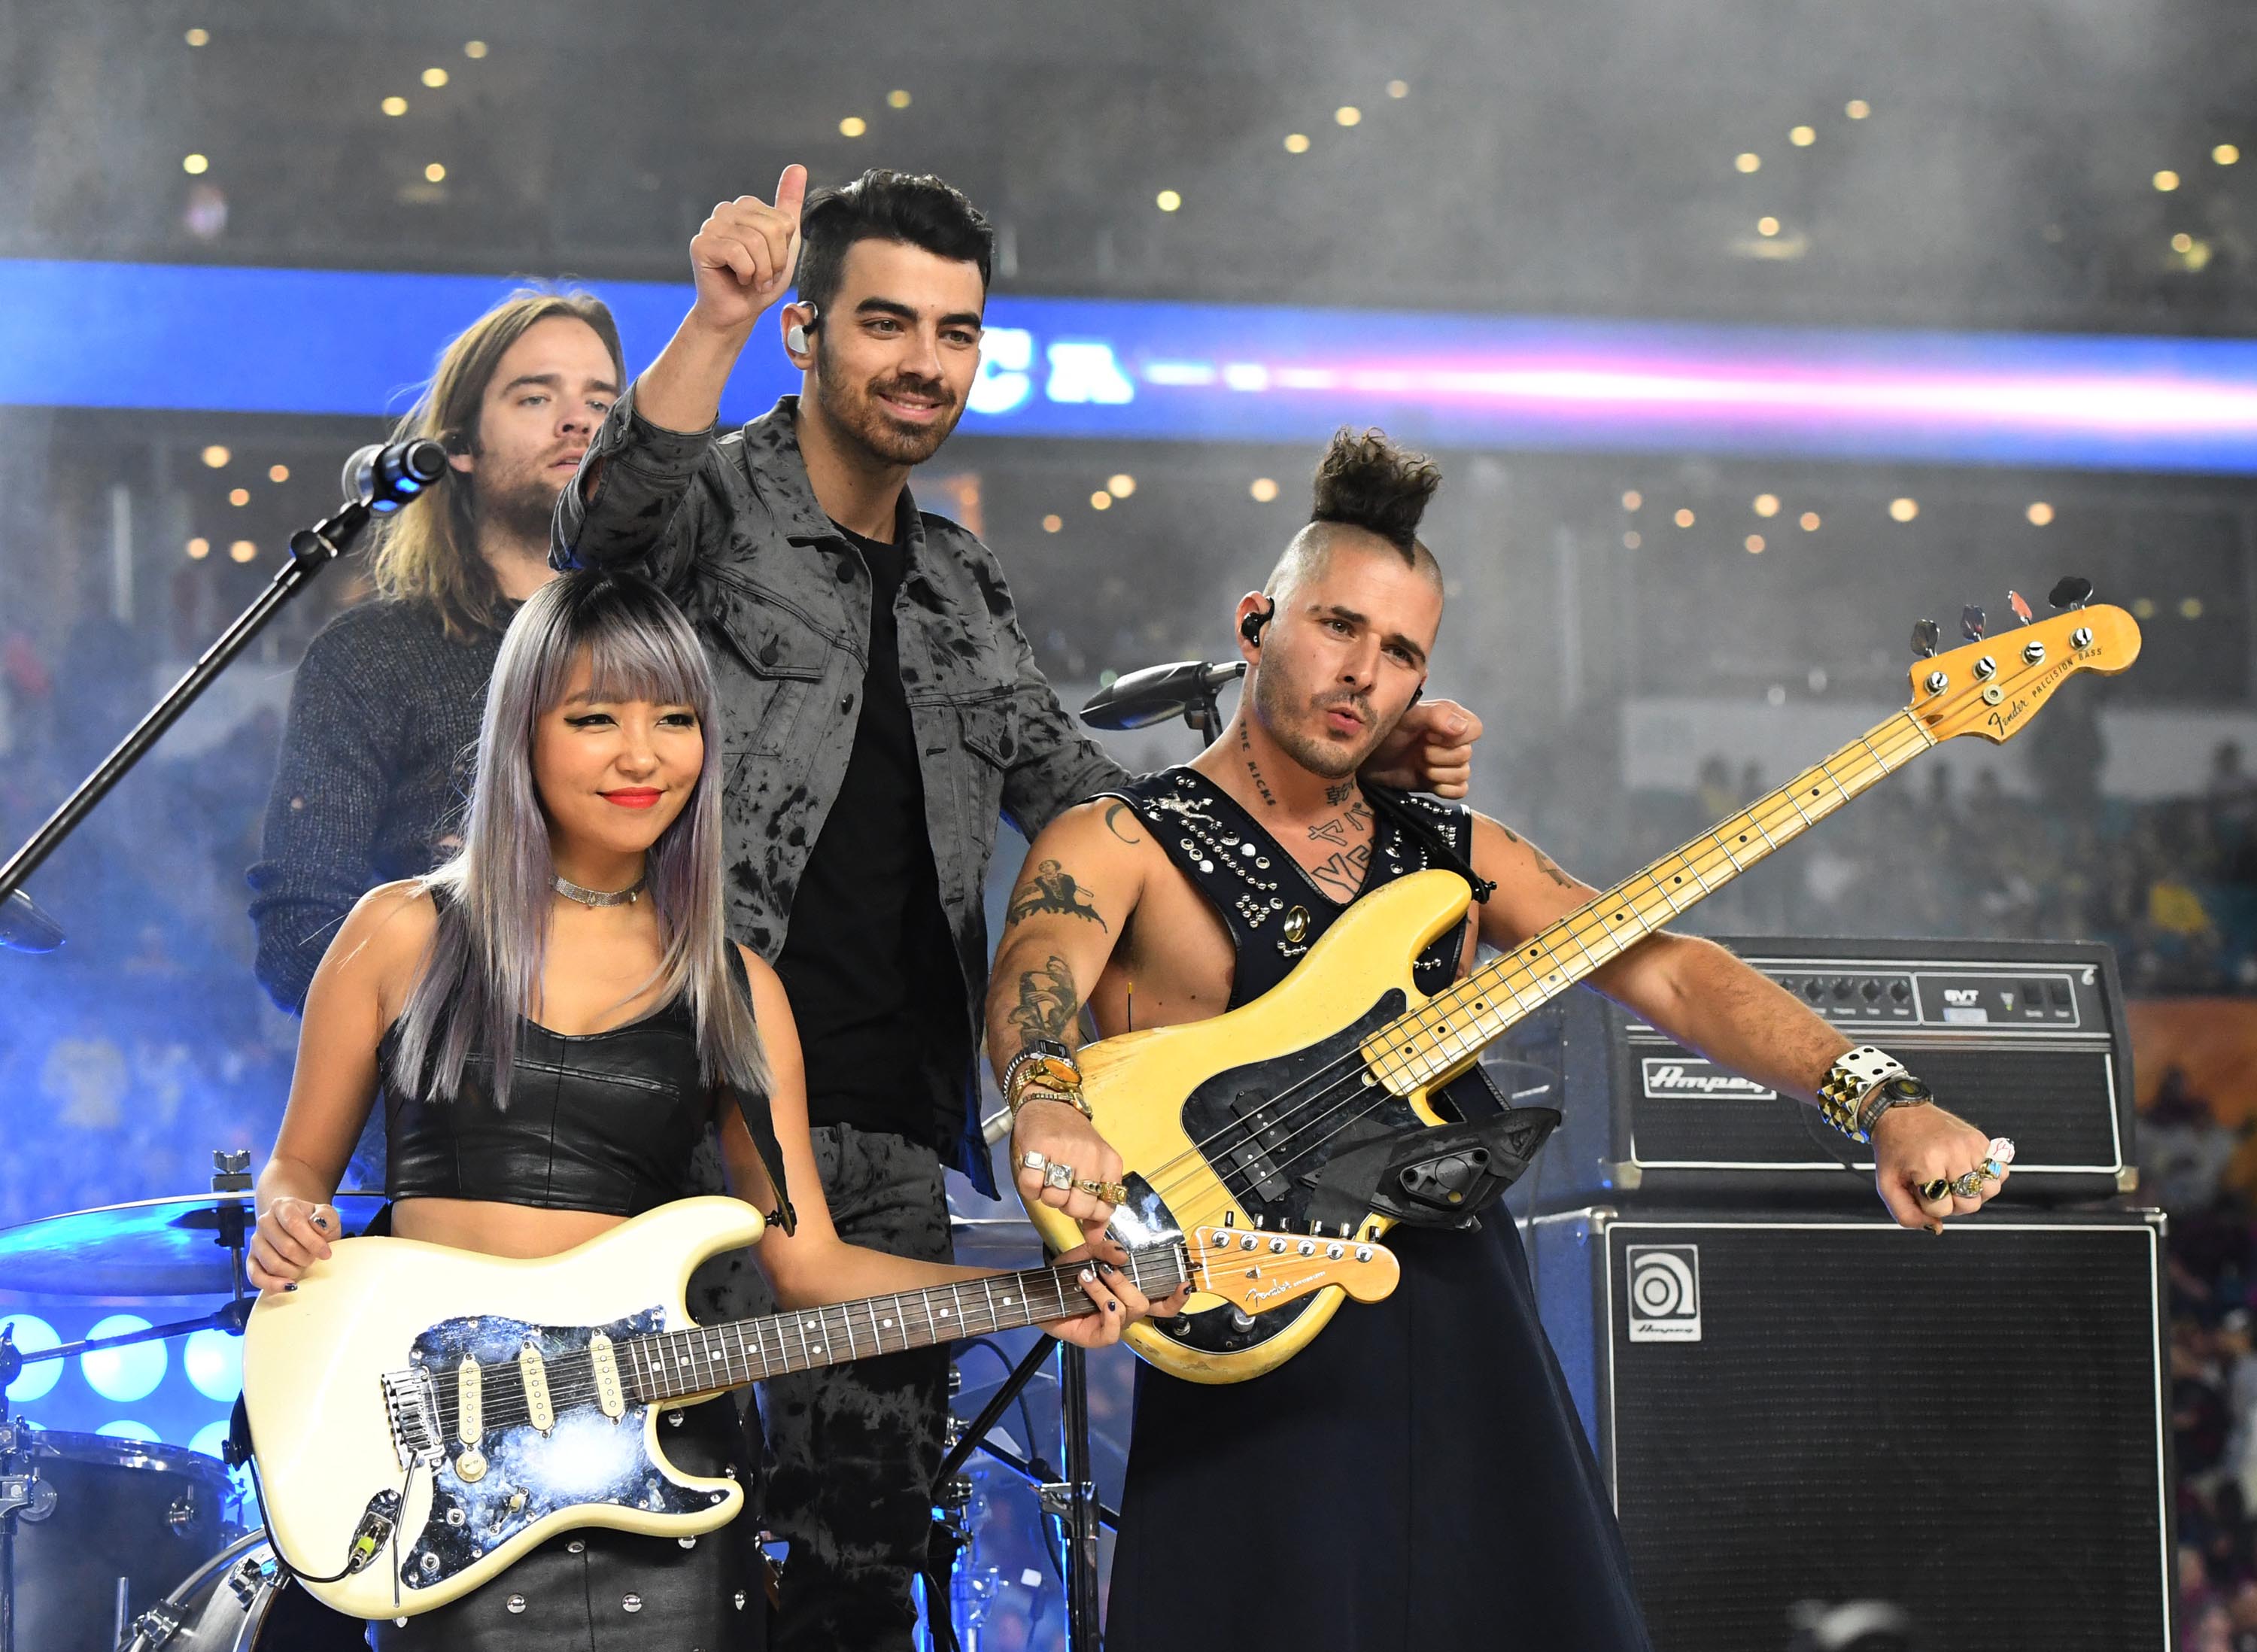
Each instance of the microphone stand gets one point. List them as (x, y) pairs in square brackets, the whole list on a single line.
[(311, 550)]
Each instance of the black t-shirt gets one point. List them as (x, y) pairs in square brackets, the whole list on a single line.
[(875, 982)]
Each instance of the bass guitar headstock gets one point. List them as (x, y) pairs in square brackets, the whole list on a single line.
[(1989, 687), (1254, 1269)]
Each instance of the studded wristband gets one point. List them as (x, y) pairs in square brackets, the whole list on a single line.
[(1853, 1076)]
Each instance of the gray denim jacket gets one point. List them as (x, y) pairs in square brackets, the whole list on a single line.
[(730, 527)]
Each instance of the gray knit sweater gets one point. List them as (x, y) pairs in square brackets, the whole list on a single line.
[(375, 766)]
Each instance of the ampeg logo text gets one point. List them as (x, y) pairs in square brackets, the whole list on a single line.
[(1668, 1078), (1664, 1292)]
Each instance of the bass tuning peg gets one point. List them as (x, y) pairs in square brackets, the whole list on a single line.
[(1971, 622), (2016, 601), (2074, 591), (1925, 635)]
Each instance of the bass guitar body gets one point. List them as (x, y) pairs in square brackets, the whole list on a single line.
[(334, 1371), (1225, 1122)]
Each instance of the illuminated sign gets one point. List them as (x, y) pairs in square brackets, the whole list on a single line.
[(88, 335)]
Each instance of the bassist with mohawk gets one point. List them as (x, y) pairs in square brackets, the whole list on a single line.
[(1441, 1410)]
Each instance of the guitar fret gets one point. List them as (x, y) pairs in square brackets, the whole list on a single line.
[(988, 1292), (846, 1318), (1835, 781), (1755, 820), (1882, 762), (1792, 804), (1717, 838)]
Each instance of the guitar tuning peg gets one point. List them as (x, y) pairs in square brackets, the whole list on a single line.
[(1925, 635), (1971, 622), (2073, 591), (2015, 601)]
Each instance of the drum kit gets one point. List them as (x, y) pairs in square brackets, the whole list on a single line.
[(111, 1544)]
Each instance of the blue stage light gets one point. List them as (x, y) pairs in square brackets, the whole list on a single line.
[(34, 1335), (124, 1374), (210, 1439), (214, 1362), (126, 1428)]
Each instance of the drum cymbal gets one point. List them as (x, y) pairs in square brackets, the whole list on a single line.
[(148, 1247)]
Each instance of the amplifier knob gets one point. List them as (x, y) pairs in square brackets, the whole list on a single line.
[(1900, 990), (1872, 991), (1842, 988), (1814, 990)]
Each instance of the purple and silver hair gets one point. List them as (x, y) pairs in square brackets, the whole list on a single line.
[(482, 974)]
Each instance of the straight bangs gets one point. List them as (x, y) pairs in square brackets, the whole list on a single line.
[(495, 897)]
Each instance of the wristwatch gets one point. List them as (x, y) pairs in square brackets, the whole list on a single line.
[(1902, 1091), (1046, 1065)]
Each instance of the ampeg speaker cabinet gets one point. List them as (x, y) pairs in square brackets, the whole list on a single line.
[(1827, 1408), (2025, 1039)]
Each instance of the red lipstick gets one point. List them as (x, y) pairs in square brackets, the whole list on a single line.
[(633, 796)]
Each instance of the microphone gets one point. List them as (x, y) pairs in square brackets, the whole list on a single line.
[(1158, 693), (384, 476)]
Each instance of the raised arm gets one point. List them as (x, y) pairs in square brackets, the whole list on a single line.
[(360, 988), (1077, 891), (632, 502), (1709, 1001)]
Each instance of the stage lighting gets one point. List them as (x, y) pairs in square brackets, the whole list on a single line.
[(126, 1428), (214, 1362), (124, 1374), (435, 78), (395, 105), (34, 1335)]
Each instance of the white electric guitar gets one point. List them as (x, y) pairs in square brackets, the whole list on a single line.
[(421, 1416)]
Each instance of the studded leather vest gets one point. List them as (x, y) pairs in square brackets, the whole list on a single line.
[(1273, 909)]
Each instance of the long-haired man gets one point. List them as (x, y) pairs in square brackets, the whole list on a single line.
[(386, 701)]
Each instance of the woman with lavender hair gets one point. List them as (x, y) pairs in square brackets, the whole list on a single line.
[(554, 1019)]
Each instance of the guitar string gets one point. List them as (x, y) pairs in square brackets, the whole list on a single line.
[(576, 1384), (1709, 847)]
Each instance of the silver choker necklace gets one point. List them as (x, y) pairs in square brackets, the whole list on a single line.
[(624, 897)]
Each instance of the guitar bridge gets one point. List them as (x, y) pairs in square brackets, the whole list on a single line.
[(411, 1402)]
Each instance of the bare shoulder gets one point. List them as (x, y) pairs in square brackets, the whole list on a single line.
[(758, 970), (391, 925)]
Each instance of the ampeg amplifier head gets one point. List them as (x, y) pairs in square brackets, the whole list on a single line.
[(2024, 1039)]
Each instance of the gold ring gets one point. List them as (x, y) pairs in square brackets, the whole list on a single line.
[(1111, 1192)]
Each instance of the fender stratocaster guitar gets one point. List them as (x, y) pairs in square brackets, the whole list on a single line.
[(1223, 1123), (421, 1416)]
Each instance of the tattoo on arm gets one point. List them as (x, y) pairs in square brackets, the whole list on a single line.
[(1550, 868), (1114, 824), (1047, 1002), (1053, 889)]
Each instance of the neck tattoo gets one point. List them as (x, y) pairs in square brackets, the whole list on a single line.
[(1246, 752)]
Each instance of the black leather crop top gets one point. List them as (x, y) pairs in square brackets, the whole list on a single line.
[(597, 1121)]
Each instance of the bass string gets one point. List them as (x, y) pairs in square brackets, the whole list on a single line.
[(1455, 998)]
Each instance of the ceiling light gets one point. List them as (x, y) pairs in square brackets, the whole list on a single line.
[(216, 457), (1100, 500), (435, 78), (199, 36), (1264, 490), (1347, 113), (2040, 514), (199, 548), (1297, 143), (1684, 517), (2167, 181), (278, 473), (1120, 486), (395, 105), (1632, 499), (2190, 608), (1748, 162), (434, 173), (474, 48), (194, 166), (1803, 137), (852, 126), (897, 99), (1809, 521), (1052, 523), (1167, 201), (2181, 242), (2226, 154), (239, 496), (1632, 541), (1903, 510), (1398, 88), (1767, 505), (242, 551), (1766, 225), (1856, 109), (2143, 608), (1755, 544)]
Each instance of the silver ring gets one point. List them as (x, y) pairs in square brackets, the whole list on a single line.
[(1032, 1161), (1060, 1176), (1970, 1186)]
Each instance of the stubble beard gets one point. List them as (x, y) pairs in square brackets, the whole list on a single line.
[(854, 411), (1278, 704)]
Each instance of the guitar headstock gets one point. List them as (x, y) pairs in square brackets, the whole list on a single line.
[(1992, 685), (1254, 1270)]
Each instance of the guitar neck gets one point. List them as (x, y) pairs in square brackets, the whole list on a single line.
[(1443, 1036), (706, 1359)]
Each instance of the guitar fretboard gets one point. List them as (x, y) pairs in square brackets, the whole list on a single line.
[(1443, 1035)]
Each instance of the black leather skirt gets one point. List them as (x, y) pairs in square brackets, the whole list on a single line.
[(596, 1591)]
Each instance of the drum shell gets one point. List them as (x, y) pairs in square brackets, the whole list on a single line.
[(124, 1508), (224, 1606)]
